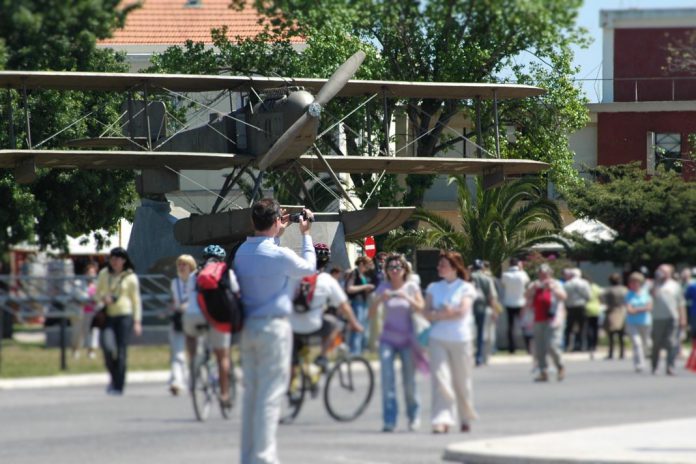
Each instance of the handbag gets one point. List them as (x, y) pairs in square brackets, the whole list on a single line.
[(421, 328), (99, 319)]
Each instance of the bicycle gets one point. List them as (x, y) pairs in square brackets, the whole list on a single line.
[(345, 397), (205, 381)]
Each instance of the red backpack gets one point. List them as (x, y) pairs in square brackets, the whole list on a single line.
[(305, 293), (221, 307)]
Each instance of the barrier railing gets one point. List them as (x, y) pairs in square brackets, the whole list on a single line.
[(53, 300)]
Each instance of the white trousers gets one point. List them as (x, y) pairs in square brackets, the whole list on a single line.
[(177, 347), (451, 368), (265, 349), (641, 343)]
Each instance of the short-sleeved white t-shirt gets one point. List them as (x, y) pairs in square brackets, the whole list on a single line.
[(328, 292), (451, 294)]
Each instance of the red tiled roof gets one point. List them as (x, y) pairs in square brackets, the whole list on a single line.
[(172, 22)]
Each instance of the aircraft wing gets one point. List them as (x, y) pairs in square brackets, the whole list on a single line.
[(107, 159), (421, 165), (122, 82)]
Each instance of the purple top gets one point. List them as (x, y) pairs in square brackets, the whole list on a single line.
[(398, 327)]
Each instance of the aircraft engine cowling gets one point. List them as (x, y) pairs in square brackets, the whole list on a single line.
[(275, 116)]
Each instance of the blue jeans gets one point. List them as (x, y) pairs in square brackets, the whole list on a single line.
[(480, 320), (390, 408), (358, 340)]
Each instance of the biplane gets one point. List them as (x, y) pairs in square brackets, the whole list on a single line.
[(275, 133)]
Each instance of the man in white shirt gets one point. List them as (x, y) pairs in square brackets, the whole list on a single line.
[(327, 293), (514, 283), (268, 275)]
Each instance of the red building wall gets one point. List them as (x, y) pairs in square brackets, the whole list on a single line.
[(642, 53), (622, 137)]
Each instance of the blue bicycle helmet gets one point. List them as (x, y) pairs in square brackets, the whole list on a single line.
[(214, 251)]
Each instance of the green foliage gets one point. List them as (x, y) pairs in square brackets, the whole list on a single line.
[(462, 41), (58, 35), (655, 217), (496, 224)]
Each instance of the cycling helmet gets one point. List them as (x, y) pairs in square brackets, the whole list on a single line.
[(323, 252), (214, 251)]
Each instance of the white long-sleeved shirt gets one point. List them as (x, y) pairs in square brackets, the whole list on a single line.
[(268, 274)]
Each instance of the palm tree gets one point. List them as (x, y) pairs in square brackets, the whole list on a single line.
[(496, 224)]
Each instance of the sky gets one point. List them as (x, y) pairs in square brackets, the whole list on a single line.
[(590, 59)]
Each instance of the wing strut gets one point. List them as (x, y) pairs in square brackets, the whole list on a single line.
[(333, 175)]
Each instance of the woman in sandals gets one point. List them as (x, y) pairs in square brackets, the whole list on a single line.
[(448, 305)]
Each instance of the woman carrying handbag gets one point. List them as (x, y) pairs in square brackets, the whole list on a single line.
[(118, 289)]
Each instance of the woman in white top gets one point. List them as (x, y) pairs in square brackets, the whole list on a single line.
[(185, 266), (448, 306)]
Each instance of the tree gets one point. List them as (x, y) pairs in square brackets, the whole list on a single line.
[(496, 223), (654, 217), (462, 41), (58, 35)]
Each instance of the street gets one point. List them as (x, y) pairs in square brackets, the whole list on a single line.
[(82, 424)]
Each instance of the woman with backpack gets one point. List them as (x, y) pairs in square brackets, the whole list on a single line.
[(195, 324), (118, 289)]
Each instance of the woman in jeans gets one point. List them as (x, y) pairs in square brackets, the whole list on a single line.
[(118, 289), (400, 299), (638, 319), (448, 305), (359, 286)]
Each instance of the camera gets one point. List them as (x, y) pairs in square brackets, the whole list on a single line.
[(297, 217)]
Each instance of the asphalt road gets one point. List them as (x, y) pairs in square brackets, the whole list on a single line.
[(82, 424)]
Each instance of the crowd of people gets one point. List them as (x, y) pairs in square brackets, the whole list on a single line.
[(381, 307)]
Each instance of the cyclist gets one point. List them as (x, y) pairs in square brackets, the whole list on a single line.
[(315, 321), (195, 324)]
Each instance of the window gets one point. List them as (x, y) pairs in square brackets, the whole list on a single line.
[(667, 148)]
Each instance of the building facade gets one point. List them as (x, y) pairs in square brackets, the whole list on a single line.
[(648, 106)]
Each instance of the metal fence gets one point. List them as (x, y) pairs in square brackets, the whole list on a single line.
[(53, 298)]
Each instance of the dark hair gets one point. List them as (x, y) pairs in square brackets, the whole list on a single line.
[(264, 213), (514, 261), (615, 279), (402, 263), (456, 261), (335, 270), (121, 252), (363, 260)]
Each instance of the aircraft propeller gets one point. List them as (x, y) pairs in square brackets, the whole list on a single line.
[(334, 85)]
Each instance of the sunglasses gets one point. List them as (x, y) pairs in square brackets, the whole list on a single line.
[(394, 268)]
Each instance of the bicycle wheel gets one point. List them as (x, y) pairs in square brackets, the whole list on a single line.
[(349, 388), (293, 399), (226, 411), (202, 393)]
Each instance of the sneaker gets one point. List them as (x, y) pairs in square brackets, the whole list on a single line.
[(542, 377), (465, 428), (322, 362), (414, 425), (388, 428), (561, 373)]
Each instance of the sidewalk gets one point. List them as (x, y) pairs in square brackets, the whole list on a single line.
[(77, 380), (671, 441)]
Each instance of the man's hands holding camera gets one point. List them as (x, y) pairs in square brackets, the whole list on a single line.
[(303, 218)]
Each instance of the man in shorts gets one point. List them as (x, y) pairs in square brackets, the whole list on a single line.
[(195, 325), (315, 321)]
